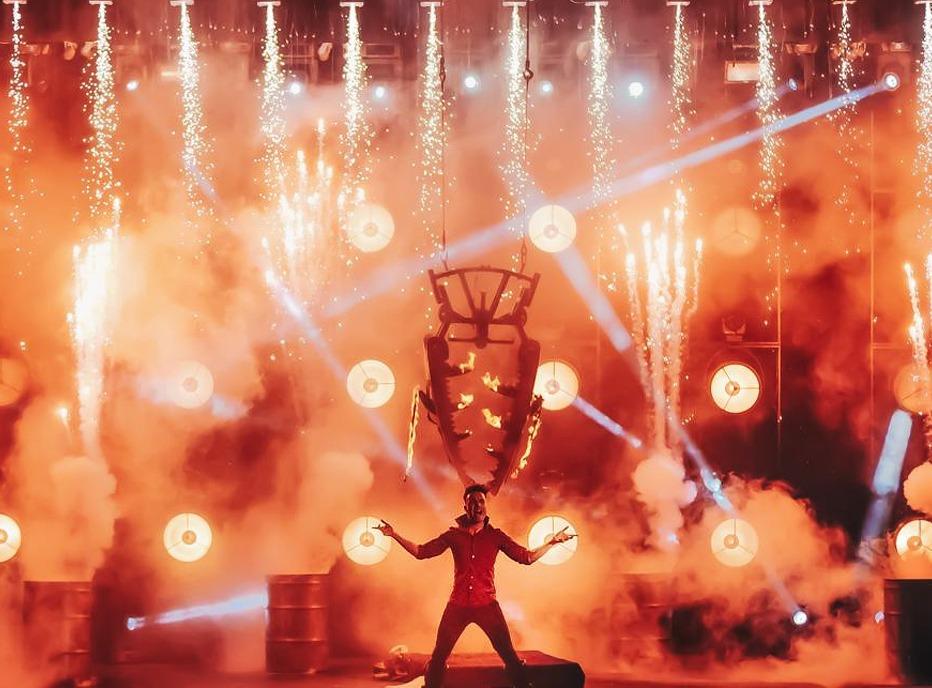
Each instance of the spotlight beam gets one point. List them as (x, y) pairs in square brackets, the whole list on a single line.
[(241, 604), (610, 425)]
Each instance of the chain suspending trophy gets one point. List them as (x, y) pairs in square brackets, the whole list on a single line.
[(481, 368)]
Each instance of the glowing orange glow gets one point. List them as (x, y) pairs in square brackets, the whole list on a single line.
[(493, 420), (13, 381), (544, 529), (469, 364), (734, 542), (552, 228), (370, 383), (735, 388), (557, 383), (911, 390), (491, 382), (914, 539), (363, 544), (10, 538), (187, 537), (190, 385), (370, 227)]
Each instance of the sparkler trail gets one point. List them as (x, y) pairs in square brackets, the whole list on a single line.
[(16, 126), (90, 320), (924, 124), (514, 146), (601, 141), (919, 339), (195, 166), (99, 180), (680, 102), (770, 161), (273, 109), (431, 131), (357, 135)]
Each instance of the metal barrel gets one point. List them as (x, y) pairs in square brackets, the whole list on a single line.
[(639, 617), (296, 639), (57, 626), (907, 612)]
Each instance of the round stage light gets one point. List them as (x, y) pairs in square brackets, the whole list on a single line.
[(891, 81), (11, 537), (793, 84), (370, 383), (911, 392), (295, 87), (636, 89), (735, 387), (914, 539), (557, 383), (13, 380), (736, 231), (800, 617), (370, 227), (734, 542), (190, 385), (546, 87), (187, 537), (471, 82), (552, 228), (363, 543), (546, 528)]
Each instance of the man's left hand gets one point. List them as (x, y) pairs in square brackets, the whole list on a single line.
[(561, 537)]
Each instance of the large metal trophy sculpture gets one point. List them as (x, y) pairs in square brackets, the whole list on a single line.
[(481, 369)]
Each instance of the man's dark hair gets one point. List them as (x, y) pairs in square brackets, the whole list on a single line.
[(477, 487)]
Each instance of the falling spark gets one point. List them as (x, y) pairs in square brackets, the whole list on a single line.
[(769, 114), (412, 430), (90, 321), (273, 108), (431, 136), (533, 430), (681, 103), (601, 140), (514, 145), (16, 126), (196, 168), (99, 181), (357, 135), (668, 281), (919, 339), (844, 122), (924, 150)]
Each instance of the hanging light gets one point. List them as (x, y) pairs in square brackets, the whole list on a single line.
[(734, 542), (10, 538), (370, 227), (13, 381), (557, 383), (911, 393), (552, 228), (187, 537), (370, 383), (546, 528), (914, 539), (363, 543), (190, 385), (735, 387)]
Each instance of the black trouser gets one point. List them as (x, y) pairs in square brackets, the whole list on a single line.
[(491, 620)]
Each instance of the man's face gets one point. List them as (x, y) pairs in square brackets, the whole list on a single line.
[(476, 507)]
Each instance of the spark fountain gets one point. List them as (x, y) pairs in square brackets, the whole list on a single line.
[(919, 337), (357, 134), (767, 97), (432, 133), (195, 167), (19, 149), (601, 139), (273, 110), (514, 145), (99, 178), (923, 163)]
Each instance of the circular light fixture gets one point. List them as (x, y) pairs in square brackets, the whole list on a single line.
[(370, 383), (13, 380), (557, 383), (736, 231), (546, 87), (792, 84), (734, 542), (190, 385), (891, 81), (910, 391), (363, 543), (800, 617), (187, 537), (11, 537), (471, 82), (552, 228), (370, 227), (546, 528), (914, 539), (295, 87), (735, 387), (636, 89)]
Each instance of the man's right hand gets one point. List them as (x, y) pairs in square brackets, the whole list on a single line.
[(386, 529)]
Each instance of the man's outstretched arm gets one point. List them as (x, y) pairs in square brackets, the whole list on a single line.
[(522, 555), (432, 548)]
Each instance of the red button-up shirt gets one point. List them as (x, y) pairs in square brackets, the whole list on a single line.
[(473, 560)]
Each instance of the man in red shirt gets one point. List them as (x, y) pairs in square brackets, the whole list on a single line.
[(475, 544)]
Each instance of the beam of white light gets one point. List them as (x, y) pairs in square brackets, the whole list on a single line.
[(612, 426), (242, 604)]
